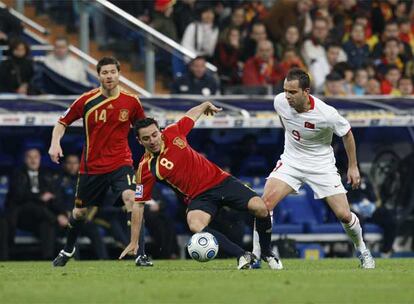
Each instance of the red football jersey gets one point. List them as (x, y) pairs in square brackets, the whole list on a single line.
[(107, 121), (178, 165)]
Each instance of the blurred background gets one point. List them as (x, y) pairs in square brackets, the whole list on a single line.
[(175, 54)]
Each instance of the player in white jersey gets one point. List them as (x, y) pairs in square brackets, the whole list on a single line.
[(308, 157)]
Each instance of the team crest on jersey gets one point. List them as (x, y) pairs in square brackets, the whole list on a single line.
[(309, 125), (179, 143), (139, 191), (123, 115)]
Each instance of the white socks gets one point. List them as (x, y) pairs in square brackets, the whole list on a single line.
[(354, 231)]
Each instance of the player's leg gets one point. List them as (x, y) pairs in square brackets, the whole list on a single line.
[(350, 222), (328, 185), (123, 181), (274, 191), (90, 190), (76, 221)]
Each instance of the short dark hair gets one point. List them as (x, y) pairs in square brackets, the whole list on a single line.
[(106, 61), (143, 123), (301, 76)]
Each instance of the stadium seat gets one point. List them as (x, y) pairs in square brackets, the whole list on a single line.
[(296, 209), (372, 228), (287, 228), (254, 165)]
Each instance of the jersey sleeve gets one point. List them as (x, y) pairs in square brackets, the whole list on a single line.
[(139, 113), (73, 113), (145, 183), (277, 102), (185, 125), (338, 123), (181, 127)]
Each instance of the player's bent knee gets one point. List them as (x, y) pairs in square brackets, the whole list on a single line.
[(128, 199), (258, 207)]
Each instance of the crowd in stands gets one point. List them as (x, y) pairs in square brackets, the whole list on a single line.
[(348, 47)]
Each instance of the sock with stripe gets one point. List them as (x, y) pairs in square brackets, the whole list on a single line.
[(354, 231)]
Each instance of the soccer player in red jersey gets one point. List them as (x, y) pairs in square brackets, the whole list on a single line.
[(170, 159), (108, 114)]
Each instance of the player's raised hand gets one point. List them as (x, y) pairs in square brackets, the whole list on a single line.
[(353, 177), (130, 249), (55, 151), (211, 109)]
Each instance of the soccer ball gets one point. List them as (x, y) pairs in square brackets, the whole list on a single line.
[(203, 247)]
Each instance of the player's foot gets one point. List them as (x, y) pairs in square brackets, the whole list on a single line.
[(367, 261), (143, 261), (274, 262), (245, 261), (62, 258)]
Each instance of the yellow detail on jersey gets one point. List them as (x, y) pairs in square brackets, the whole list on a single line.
[(138, 174)]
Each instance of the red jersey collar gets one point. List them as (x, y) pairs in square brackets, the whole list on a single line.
[(312, 103)]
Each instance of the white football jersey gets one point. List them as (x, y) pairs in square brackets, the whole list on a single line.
[(308, 135)]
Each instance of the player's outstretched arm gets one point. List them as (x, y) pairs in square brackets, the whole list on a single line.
[(353, 176), (55, 150), (136, 222), (206, 108)]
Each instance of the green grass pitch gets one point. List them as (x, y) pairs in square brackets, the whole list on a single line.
[(218, 281)]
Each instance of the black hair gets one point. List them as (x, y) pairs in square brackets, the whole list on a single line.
[(143, 123), (15, 43), (106, 61), (301, 76)]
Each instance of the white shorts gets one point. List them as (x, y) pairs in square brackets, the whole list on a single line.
[(323, 184)]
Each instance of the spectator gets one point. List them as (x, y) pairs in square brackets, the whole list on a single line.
[(236, 20), (291, 59), (334, 86), (347, 73), (389, 85), (162, 20), (228, 58), (263, 69), (184, 12), (314, 47), (285, 13), (361, 82), (33, 204), (291, 39), (258, 33), (391, 31), (391, 57), (67, 186), (405, 86), (356, 48), (201, 36), (406, 34), (373, 87), (61, 62), (10, 27), (17, 72), (196, 80), (323, 65)]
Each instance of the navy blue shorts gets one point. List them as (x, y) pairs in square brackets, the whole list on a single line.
[(231, 193), (91, 189)]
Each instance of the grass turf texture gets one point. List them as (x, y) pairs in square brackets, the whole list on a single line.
[(302, 281)]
